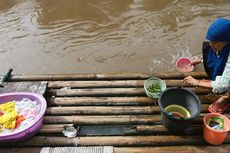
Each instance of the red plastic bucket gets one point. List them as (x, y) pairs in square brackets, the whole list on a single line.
[(215, 137)]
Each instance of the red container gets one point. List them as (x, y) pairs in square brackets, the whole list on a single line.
[(184, 64), (212, 136)]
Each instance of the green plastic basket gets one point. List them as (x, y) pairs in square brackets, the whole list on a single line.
[(155, 82)]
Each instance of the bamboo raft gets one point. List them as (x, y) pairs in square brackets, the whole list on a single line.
[(113, 110)]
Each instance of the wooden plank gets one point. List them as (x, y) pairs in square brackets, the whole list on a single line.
[(98, 149), (112, 92), (115, 76), (110, 110), (37, 87)]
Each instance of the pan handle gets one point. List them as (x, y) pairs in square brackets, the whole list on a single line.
[(6, 77)]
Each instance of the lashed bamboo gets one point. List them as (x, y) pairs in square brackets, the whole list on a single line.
[(112, 91), (99, 101), (110, 110)]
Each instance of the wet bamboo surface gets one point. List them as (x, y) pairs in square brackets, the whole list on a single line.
[(113, 110)]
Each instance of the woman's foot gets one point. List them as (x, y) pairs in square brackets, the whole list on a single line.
[(219, 106)]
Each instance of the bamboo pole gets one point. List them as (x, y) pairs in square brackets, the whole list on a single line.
[(115, 101), (161, 149), (70, 101), (129, 141), (20, 150), (111, 83), (52, 128), (83, 84), (141, 140), (108, 110), (102, 110), (160, 129), (112, 91), (121, 130), (176, 149), (115, 76), (208, 99), (109, 119), (88, 120), (97, 92), (103, 120)]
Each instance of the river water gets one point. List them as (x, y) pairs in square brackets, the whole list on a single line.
[(102, 36)]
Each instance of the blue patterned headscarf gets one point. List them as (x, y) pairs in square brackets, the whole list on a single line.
[(219, 31)]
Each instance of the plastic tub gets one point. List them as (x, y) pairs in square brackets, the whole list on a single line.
[(215, 137), (182, 97), (156, 82), (35, 126), (177, 111)]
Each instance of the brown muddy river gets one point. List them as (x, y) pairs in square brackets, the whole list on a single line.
[(102, 36)]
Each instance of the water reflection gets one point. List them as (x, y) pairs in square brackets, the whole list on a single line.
[(6, 5), (102, 36), (99, 11)]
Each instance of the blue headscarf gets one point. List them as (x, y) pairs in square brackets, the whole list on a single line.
[(219, 31)]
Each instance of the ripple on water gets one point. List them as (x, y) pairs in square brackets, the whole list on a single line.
[(93, 37)]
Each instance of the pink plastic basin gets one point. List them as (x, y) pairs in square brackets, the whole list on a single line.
[(184, 64), (35, 126)]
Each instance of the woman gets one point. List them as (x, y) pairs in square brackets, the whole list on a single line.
[(216, 63)]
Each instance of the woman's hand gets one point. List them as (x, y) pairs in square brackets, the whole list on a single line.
[(196, 61), (190, 80)]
